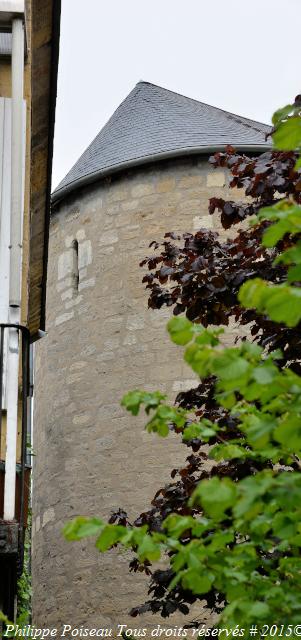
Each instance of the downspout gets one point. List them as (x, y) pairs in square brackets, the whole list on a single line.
[(16, 163), (15, 265)]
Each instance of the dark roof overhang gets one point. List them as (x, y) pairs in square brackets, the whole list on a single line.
[(60, 193), (45, 53)]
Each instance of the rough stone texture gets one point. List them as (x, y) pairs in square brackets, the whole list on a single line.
[(92, 457)]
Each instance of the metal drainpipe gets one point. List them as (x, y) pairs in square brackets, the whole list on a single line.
[(17, 69), (16, 163)]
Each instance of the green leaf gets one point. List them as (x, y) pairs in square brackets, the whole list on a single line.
[(132, 401), (294, 274), (283, 304), (199, 431), (278, 211), (196, 582), (229, 365), (250, 491), (281, 114), (288, 433), (180, 330), (159, 426), (110, 535), (227, 452), (284, 527), (287, 136), (265, 373), (166, 412), (280, 302), (251, 349), (148, 550), (291, 255), (226, 399), (209, 336), (251, 293), (275, 232), (260, 525), (259, 610), (200, 359), (258, 430), (82, 527), (220, 540), (216, 496), (288, 215), (176, 524)]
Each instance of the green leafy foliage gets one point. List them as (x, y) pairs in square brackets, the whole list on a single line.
[(24, 587), (288, 134), (163, 415), (282, 303), (108, 535), (182, 331), (287, 126), (82, 527), (133, 400)]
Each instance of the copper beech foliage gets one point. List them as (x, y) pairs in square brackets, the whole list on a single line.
[(200, 274)]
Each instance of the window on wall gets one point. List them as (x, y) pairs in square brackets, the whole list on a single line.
[(75, 265)]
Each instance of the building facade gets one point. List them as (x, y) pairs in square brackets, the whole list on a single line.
[(29, 35), (146, 173)]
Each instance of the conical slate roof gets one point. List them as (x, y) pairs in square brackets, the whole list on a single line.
[(153, 123)]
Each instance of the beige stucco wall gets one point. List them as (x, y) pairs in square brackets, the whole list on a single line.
[(92, 457)]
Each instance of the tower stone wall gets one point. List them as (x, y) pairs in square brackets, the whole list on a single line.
[(92, 457)]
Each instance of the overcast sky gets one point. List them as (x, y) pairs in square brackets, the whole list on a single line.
[(240, 55)]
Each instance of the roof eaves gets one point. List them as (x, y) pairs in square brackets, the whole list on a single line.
[(62, 192), (42, 151)]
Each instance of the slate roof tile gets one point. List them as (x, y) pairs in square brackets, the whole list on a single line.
[(153, 121)]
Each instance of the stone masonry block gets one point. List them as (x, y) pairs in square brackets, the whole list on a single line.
[(216, 179), (135, 322), (64, 318), (84, 254), (141, 190), (203, 221), (108, 237), (80, 235), (168, 184), (188, 182), (65, 264)]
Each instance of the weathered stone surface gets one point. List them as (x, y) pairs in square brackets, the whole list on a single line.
[(92, 456), (188, 182), (203, 221), (9, 537), (63, 318), (167, 184), (216, 179), (140, 190)]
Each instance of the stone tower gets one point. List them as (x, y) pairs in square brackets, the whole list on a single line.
[(144, 174)]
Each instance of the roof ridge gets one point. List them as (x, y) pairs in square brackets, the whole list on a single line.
[(199, 102)]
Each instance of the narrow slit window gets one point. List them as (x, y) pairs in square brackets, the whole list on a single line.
[(75, 266)]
